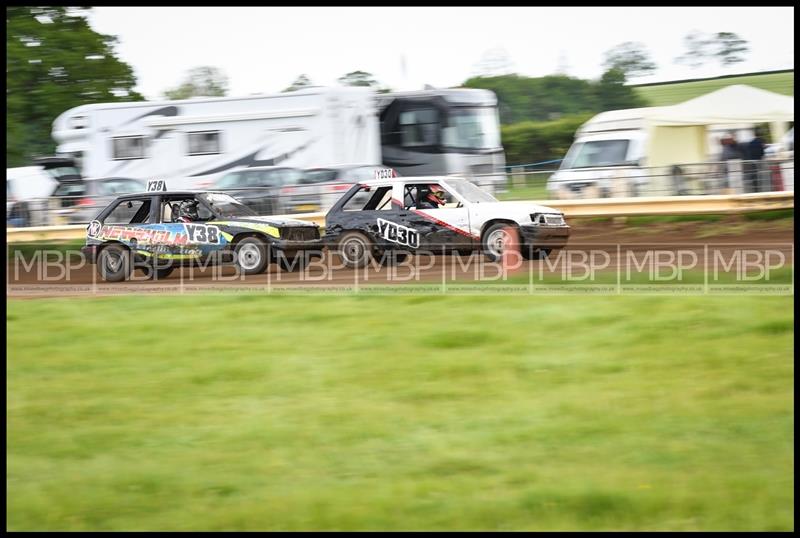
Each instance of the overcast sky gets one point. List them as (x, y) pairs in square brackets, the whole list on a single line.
[(263, 49)]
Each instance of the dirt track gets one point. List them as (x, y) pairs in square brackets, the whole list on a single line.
[(602, 247)]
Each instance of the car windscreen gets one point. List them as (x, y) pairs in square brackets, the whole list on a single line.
[(228, 181), (596, 153), (224, 205), (319, 175), (469, 191), (70, 189)]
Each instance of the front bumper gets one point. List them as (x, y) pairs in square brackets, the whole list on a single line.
[(90, 251), (539, 236), (297, 246)]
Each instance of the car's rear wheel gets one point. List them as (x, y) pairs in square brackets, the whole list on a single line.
[(496, 240), (251, 255), (355, 249), (114, 263)]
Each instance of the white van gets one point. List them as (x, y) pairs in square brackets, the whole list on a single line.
[(609, 157)]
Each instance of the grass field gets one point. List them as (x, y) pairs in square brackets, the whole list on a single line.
[(427, 412), (670, 94)]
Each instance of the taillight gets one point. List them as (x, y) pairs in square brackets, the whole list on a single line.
[(85, 201), (287, 190)]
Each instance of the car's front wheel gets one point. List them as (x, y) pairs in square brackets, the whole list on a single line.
[(115, 263), (355, 249), (251, 255), (497, 239)]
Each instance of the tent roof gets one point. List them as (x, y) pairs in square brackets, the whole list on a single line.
[(733, 104)]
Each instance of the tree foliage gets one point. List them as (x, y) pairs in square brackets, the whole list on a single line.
[(203, 81), (358, 78), (300, 82), (547, 98), (55, 61), (632, 58), (725, 47)]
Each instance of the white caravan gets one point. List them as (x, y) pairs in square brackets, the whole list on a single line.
[(191, 143)]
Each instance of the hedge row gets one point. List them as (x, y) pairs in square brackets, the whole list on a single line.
[(536, 141)]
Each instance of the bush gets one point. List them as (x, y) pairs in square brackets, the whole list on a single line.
[(536, 141)]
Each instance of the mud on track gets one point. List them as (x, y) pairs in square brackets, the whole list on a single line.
[(599, 247)]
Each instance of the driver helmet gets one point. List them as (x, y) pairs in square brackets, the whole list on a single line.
[(188, 211), (436, 194)]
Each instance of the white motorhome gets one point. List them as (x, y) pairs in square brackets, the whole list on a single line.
[(610, 155), (193, 142)]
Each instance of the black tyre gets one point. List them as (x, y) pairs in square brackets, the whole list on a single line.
[(251, 255), (494, 241), (393, 257), (157, 273), (355, 249), (529, 252), (114, 263)]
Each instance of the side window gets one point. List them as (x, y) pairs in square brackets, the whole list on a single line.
[(204, 143), (170, 210), (359, 200), (419, 195), (129, 212), (381, 200), (229, 181), (127, 147), (419, 127)]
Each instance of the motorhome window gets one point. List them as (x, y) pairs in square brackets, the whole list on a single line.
[(204, 143), (128, 147), (419, 127), (126, 211), (470, 192), (472, 128), (597, 153)]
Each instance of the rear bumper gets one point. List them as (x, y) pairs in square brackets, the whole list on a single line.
[(552, 237)]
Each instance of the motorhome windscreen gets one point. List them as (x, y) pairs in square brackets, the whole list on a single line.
[(224, 205), (470, 192), (596, 153), (472, 128)]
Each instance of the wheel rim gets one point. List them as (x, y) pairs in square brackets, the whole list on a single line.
[(113, 261), (353, 250), (249, 256), (496, 242)]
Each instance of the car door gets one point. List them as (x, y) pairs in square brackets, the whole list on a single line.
[(441, 229)]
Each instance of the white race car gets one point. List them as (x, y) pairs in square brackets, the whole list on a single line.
[(439, 215)]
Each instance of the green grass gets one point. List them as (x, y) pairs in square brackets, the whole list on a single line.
[(427, 412), (670, 94), (533, 189)]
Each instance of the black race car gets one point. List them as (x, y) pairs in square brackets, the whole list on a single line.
[(159, 231)]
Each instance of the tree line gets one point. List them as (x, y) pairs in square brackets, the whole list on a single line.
[(56, 61)]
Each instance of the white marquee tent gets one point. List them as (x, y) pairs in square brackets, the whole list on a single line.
[(678, 132)]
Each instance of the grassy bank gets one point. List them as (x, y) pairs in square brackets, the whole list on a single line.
[(249, 412)]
